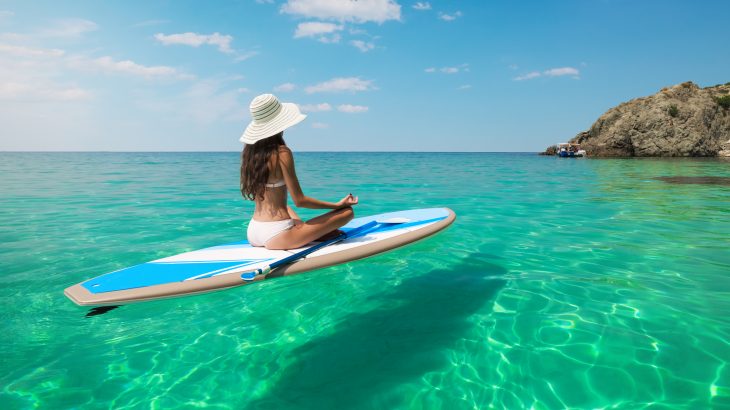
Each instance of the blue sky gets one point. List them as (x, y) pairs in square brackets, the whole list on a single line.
[(373, 75)]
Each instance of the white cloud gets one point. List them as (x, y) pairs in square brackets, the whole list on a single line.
[(352, 109), (422, 6), (333, 39), (465, 87), (557, 72), (449, 70), (359, 11), (450, 17), (315, 107), (528, 76), (285, 88), (21, 51), (316, 29), (243, 90), (245, 56), (46, 62), (109, 65), (14, 37), (41, 91), (362, 45), (58, 29), (348, 84), (69, 28), (223, 42), (553, 72), (6, 14), (513, 66), (36, 75), (265, 1), (320, 125)]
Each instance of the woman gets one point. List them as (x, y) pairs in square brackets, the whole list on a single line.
[(267, 174)]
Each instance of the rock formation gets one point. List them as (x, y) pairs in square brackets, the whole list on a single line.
[(680, 121)]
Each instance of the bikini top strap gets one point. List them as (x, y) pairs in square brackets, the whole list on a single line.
[(276, 184)]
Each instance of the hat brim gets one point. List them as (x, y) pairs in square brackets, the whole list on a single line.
[(287, 117)]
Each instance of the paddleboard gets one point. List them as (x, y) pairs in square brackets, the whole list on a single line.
[(221, 267)]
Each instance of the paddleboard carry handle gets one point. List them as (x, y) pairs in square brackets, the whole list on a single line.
[(360, 230)]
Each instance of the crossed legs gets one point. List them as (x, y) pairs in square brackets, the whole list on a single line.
[(316, 228)]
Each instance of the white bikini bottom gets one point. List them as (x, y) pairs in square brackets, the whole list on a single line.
[(261, 232)]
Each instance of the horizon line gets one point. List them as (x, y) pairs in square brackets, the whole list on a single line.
[(220, 152)]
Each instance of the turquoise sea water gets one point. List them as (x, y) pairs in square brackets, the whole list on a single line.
[(562, 284)]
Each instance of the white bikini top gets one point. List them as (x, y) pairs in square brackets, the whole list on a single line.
[(276, 184)]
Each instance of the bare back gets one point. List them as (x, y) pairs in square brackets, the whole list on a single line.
[(274, 205)]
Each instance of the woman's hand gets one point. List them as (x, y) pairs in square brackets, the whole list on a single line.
[(349, 200)]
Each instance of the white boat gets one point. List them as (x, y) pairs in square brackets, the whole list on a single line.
[(568, 150)]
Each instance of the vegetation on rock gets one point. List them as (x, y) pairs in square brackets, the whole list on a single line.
[(551, 150), (673, 110), (724, 101)]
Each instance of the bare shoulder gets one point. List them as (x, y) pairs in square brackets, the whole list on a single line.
[(285, 154)]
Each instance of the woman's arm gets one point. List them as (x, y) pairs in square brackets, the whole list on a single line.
[(286, 161)]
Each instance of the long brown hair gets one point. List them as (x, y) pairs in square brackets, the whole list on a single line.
[(255, 165)]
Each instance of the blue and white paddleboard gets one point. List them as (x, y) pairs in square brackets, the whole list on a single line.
[(222, 266)]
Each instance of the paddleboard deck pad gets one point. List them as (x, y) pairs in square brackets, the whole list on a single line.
[(221, 267)]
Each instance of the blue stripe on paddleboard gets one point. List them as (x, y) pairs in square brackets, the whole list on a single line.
[(390, 227), (149, 274)]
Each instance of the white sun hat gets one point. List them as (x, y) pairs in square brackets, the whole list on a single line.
[(270, 117)]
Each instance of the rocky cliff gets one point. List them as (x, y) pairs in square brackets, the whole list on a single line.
[(680, 121)]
